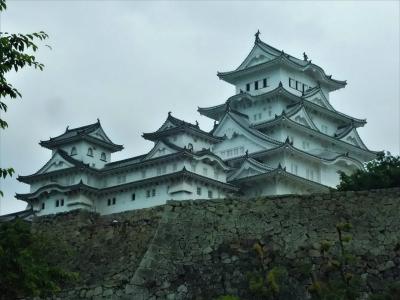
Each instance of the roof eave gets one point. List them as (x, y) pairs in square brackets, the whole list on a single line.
[(54, 144)]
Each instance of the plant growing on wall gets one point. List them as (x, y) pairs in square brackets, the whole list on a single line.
[(268, 281), (334, 276)]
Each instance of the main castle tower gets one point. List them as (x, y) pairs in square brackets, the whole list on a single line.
[(280, 132)]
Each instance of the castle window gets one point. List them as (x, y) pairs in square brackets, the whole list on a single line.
[(43, 205), (248, 87), (256, 85), (113, 201), (143, 173), (73, 151), (265, 82), (103, 156), (210, 194), (148, 192), (90, 152), (133, 197), (62, 202), (292, 83), (108, 202), (57, 203), (199, 191), (153, 192)]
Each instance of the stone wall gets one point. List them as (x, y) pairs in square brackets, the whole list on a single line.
[(105, 250), (203, 249)]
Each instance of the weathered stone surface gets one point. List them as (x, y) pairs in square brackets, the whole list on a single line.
[(203, 249)]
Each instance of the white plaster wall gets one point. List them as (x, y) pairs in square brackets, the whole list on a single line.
[(271, 74), (237, 146), (298, 136), (275, 75), (260, 188), (82, 150), (329, 122), (306, 168), (124, 202), (263, 109), (287, 73), (183, 140), (50, 203)]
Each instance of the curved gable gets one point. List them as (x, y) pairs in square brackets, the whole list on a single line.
[(303, 118), (353, 138), (160, 149), (249, 167), (56, 162)]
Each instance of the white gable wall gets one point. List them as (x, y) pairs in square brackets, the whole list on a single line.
[(50, 203), (262, 110), (322, 120), (273, 77), (82, 148), (183, 140)]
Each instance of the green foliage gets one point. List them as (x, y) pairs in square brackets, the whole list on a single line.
[(383, 172), (27, 262), (335, 279), (228, 297), (270, 281), (14, 54)]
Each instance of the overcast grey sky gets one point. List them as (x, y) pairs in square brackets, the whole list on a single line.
[(130, 62)]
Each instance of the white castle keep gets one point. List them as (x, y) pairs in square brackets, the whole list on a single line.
[(278, 134)]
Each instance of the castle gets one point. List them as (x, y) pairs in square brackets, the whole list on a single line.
[(278, 134)]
